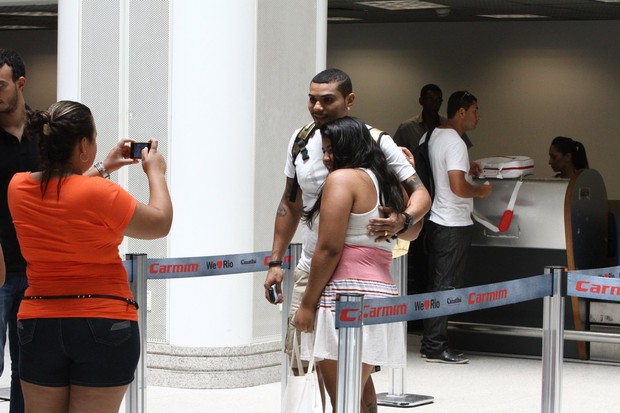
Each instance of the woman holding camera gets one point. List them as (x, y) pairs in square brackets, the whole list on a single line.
[(78, 331)]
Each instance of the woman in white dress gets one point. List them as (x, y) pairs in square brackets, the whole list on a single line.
[(346, 258)]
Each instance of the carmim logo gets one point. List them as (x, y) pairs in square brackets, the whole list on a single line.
[(285, 260), (157, 268), (475, 298), (586, 286), (353, 314)]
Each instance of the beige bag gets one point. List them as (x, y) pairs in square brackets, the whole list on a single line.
[(401, 248), (302, 393)]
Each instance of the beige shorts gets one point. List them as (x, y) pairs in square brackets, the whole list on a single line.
[(301, 281)]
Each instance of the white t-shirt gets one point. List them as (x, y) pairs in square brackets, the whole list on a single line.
[(448, 152), (311, 175)]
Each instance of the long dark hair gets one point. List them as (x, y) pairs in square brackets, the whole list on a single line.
[(60, 128), (354, 147), (576, 149)]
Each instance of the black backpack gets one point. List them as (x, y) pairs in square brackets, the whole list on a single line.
[(423, 165), (299, 146), (301, 140)]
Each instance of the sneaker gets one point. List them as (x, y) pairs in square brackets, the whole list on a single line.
[(448, 357), (424, 353)]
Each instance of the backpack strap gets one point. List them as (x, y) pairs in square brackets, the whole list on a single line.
[(376, 134), (301, 140)]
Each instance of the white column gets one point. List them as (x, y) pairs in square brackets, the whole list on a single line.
[(68, 49), (212, 158), (224, 162)]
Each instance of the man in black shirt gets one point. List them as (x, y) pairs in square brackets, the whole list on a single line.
[(18, 153)]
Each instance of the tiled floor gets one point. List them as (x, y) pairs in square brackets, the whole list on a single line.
[(488, 384)]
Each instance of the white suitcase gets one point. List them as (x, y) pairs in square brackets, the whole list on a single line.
[(506, 167)]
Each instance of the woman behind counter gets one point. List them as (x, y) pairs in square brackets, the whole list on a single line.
[(567, 156), (77, 325), (346, 257)]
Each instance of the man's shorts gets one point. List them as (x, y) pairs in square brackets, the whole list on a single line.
[(299, 286), (93, 352)]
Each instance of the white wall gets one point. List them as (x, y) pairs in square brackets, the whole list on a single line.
[(534, 81)]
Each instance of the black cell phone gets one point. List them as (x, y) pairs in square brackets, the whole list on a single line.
[(273, 293), (136, 149)]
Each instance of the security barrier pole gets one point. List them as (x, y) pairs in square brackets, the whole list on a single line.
[(349, 384), (287, 291), (553, 343), (396, 397), (135, 398)]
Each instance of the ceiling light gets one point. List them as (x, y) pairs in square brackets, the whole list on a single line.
[(513, 16), (342, 19), (18, 27), (402, 5), (30, 13)]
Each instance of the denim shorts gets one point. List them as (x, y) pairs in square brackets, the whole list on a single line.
[(92, 352)]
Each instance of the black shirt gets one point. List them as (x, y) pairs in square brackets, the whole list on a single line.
[(15, 156)]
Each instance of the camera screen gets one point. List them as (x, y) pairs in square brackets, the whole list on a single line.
[(136, 149)]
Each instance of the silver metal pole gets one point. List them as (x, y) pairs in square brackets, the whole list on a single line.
[(501, 330), (287, 290), (135, 398), (349, 384), (553, 344), (396, 397)]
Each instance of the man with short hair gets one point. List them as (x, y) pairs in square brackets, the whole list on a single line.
[(18, 153), (449, 227), (410, 131), (330, 97)]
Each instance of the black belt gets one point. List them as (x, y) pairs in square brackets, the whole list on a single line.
[(61, 297)]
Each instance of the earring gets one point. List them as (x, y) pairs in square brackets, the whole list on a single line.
[(82, 159)]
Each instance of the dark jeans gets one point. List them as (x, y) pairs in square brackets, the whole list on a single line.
[(447, 252), (11, 295)]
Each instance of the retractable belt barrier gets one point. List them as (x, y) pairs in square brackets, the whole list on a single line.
[(140, 269), (168, 268), (352, 312), (442, 303), (598, 284)]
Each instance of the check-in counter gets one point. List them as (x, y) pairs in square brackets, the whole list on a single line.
[(555, 222)]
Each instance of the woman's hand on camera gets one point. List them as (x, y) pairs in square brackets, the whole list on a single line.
[(152, 159), (119, 156)]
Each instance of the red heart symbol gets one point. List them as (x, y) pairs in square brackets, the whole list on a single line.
[(427, 304), (219, 264)]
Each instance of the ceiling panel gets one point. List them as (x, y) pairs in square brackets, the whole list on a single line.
[(28, 15), (471, 10)]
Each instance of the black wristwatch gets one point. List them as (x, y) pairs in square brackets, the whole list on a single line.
[(408, 222)]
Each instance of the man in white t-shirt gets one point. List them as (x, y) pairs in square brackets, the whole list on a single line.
[(331, 97), (449, 228)]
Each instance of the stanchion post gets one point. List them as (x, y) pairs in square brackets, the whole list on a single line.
[(349, 383), (135, 398), (553, 343), (287, 291), (396, 397)]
